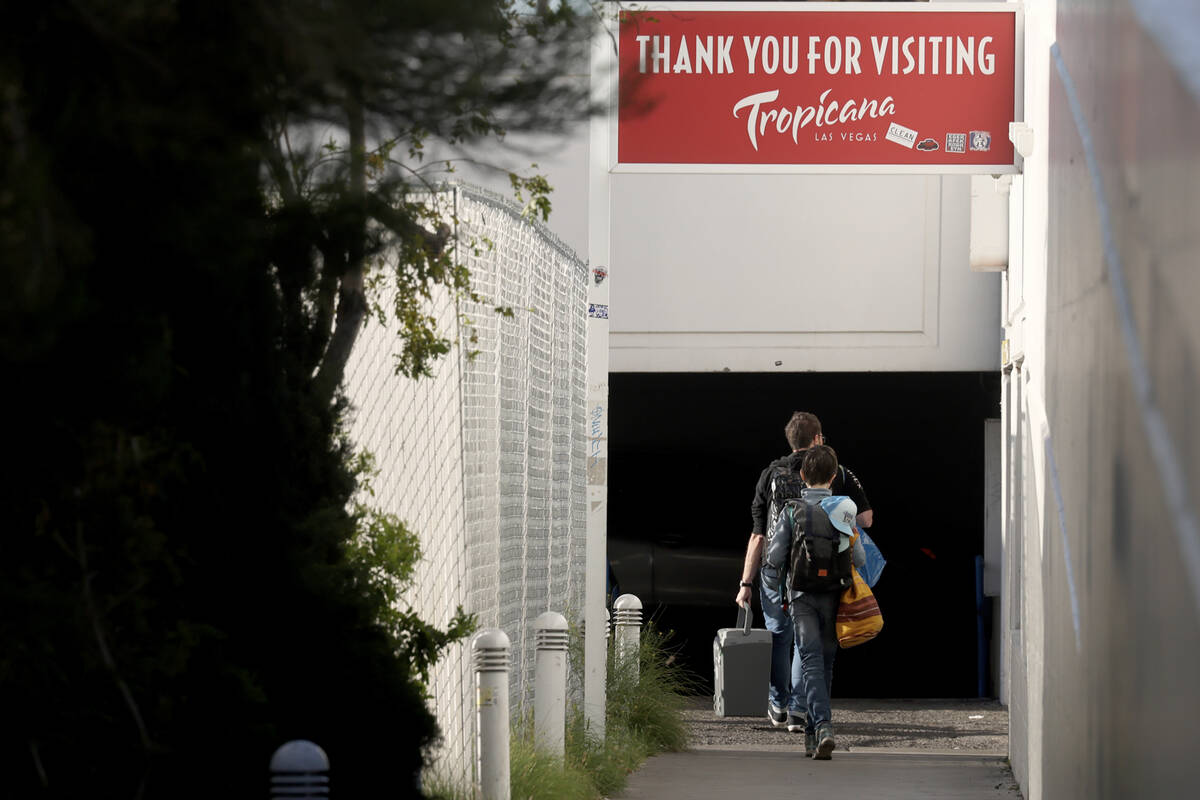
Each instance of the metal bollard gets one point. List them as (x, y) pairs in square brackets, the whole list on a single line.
[(550, 684), (628, 633), (299, 771), (490, 651)]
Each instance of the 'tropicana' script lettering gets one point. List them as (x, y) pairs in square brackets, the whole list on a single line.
[(762, 118)]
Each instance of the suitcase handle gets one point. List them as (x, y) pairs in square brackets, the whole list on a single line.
[(745, 614)]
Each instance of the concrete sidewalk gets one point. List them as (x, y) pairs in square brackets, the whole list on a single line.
[(719, 773)]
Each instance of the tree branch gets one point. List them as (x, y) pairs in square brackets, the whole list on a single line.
[(279, 170), (352, 298), (406, 228), (351, 313), (37, 763), (106, 655), (324, 305)]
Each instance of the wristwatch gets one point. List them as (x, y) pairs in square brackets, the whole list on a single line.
[(747, 584)]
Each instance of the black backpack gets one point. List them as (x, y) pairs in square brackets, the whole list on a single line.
[(815, 564), (785, 485)]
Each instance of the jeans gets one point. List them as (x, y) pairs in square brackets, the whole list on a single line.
[(785, 687), (815, 615)]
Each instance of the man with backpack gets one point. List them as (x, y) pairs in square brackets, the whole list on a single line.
[(777, 484), (815, 544)]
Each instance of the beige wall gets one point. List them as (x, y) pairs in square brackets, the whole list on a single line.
[(788, 273), (1104, 637)]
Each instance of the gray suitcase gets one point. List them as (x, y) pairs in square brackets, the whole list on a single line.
[(741, 669)]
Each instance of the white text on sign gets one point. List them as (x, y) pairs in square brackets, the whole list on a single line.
[(830, 55)]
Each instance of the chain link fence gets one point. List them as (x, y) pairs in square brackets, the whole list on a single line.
[(486, 458)]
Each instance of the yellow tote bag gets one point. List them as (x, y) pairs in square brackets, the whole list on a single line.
[(858, 617)]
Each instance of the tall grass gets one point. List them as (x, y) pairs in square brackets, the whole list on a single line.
[(648, 703), (644, 717), (440, 789), (536, 775)]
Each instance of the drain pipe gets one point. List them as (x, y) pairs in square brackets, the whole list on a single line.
[(981, 659)]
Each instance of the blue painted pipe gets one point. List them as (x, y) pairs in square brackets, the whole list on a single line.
[(981, 669)]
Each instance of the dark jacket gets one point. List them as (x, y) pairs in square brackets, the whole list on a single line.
[(845, 482), (779, 551)]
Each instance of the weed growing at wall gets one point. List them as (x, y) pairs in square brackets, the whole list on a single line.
[(644, 717), (648, 704)]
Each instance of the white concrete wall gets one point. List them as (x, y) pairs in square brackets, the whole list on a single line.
[(1024, 311), (789, 273), (1102, 456)]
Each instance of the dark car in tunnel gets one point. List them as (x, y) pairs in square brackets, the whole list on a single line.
[(673, 572), (682, 476)]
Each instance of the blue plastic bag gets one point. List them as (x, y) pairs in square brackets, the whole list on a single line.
[(875, 560)]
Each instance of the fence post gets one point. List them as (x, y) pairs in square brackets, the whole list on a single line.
[(628, 633), (490, 649), (299, 771), (550, 683), (607, 627)]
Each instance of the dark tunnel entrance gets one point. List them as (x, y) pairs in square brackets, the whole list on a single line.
[(685, 450)]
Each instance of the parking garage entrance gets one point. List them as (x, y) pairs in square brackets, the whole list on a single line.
[(685, 452)]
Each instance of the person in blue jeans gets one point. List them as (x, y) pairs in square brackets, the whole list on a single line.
[(814, 612), (785, 698), (779, 481)]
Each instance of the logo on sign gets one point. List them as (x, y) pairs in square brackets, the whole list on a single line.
[(956, 143), (901, 135), (981, 140), (597, 311)]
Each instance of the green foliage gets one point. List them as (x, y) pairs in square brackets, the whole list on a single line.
[(535, 775), (648, 703), (537, 188), (609, 761), (644, 717), (185, 255), (643, 713), (342, 205), (438, 789), (386, 553)]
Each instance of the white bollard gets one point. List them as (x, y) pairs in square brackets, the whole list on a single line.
[(300, 771), (550, 684), (490, 651), (628, 633)]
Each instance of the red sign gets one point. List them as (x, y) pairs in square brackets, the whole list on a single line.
[(930, 90)]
